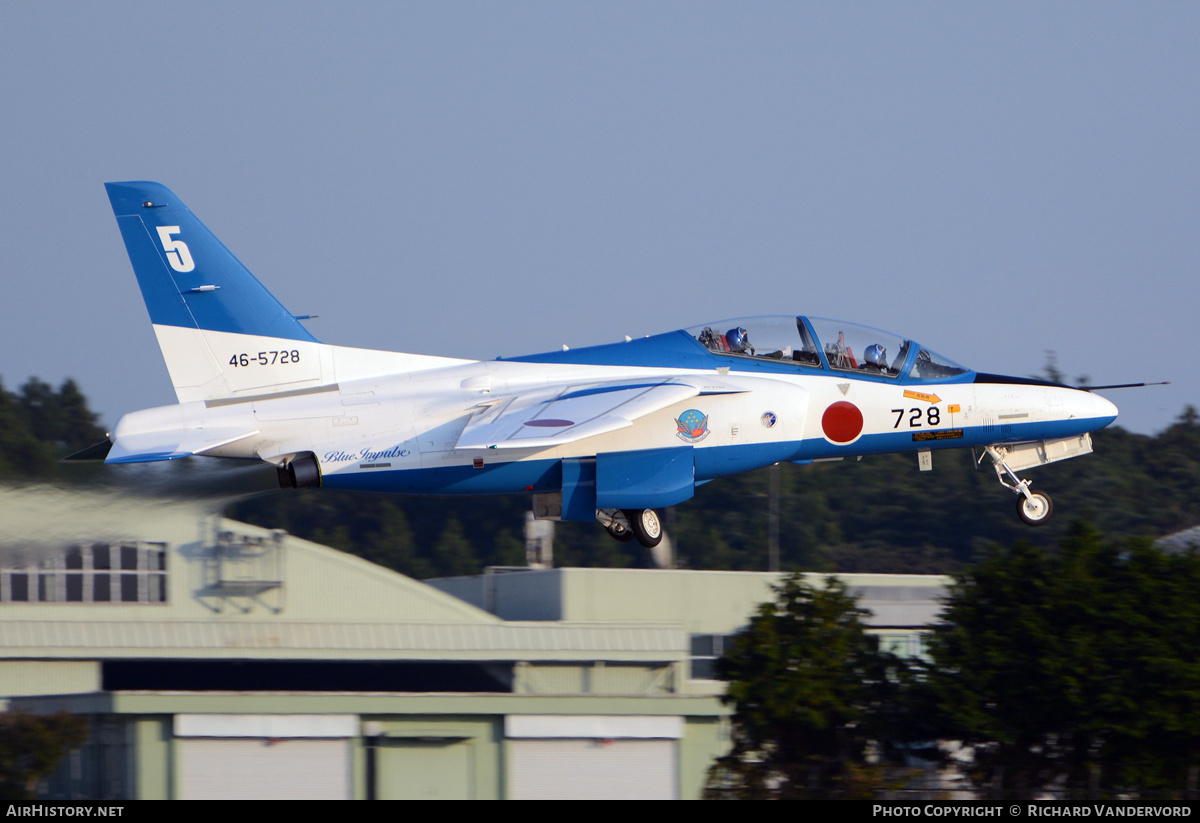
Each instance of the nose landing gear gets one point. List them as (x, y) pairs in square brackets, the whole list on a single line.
[(626, 524), (1034, 506)]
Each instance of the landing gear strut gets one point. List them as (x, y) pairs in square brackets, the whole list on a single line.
[(619, 530), (626, 524), (1034, 506)]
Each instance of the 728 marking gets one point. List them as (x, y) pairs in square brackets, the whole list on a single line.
[(932, 417)]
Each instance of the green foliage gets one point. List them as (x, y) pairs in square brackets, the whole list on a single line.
[(40, 425), (31, 747), (1073, 669), (810, 688), (61, 418)]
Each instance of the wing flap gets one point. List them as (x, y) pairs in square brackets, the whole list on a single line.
[(570, 412)]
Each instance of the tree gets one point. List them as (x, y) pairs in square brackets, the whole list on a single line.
[(812, 692), (453, 552), (31, 747), (60, 418), (20, 451), (1051, 371), (1072, 671)]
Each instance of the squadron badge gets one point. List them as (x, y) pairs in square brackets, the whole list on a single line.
[(692, 426)]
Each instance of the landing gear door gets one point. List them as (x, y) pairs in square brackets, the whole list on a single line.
[(1020, 456), (647, 479)]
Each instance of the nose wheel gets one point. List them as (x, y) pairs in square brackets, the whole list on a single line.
[(626, 524), (1034, 506)]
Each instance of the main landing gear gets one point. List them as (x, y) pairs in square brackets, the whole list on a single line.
[(626, 524), (1034, 506)]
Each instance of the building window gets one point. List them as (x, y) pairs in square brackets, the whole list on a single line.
[(706, 649), (99, 573), (907, 645)]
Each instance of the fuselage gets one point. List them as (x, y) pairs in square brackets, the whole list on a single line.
[(400, 433)]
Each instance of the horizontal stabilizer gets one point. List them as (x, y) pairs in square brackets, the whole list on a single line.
[(567, 413), (91, 453), (152, 447)]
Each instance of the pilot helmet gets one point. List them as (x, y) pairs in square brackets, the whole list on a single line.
[(876, 355), (738, 339)]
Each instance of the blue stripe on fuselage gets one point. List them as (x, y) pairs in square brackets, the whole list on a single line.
[(512, 477), (673, 350), (545, 475)]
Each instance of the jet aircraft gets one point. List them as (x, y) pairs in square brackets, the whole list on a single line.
[(609, 433)]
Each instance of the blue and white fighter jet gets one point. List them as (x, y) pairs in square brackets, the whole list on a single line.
[(608, 433)]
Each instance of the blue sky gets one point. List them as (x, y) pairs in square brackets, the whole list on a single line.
[(481, 179)]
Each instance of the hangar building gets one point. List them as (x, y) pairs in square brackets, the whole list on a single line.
[(217, 660)]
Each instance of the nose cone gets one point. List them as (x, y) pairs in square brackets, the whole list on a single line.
[(1105, 410), (1079, 410)]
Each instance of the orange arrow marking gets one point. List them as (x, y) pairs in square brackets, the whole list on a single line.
[(928, 398)]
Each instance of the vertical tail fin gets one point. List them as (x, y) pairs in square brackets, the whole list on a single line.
[(220, 331)]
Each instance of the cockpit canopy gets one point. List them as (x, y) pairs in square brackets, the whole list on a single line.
[(819, 343)]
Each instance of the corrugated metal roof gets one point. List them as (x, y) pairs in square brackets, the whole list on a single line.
[(190, 638)]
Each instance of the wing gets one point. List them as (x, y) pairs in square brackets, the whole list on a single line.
[(565, 413)]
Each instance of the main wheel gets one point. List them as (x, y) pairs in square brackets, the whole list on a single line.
[(1035, 509), (619, 532), (646, 526)]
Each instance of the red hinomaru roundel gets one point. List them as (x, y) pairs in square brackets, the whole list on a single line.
[(842, 422)]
